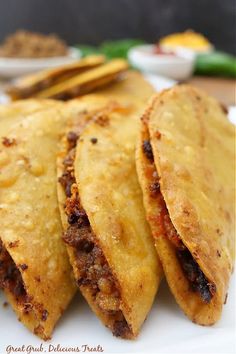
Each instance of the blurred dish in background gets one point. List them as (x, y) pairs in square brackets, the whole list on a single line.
[(189, 39), (208, 61), (26, 52), (172, 56), (177, 65), (10, 68), (193, 48), (25, 44)]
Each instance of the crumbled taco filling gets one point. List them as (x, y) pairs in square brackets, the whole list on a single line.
[(197, 280), (11, 280), (95, 273), (10, 276)]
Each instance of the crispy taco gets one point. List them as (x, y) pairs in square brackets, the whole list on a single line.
[(185, 165), (35, 272), (86, 82), (132, 91), (29, 85), (108, 239), (133, 88)]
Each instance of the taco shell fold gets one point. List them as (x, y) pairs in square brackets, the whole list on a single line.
[(108, 238), (185, 164), (86, 82), (35, 272), (29, 85)]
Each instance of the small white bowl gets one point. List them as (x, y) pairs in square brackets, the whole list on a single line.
[(14, 67), (178, 67)]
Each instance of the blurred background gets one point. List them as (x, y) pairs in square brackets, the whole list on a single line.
[(93, 21), (137, 30)]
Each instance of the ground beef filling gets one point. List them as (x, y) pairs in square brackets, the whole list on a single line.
[(10, 276), (94, 270), (197, 280)]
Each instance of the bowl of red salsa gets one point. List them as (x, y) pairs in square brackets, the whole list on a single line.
[(177, 64)]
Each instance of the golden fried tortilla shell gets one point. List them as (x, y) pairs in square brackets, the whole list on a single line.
[(30, 222), (111, 196), (132, 88), (26, 107), (192, 143), (189, 301), (79, 113), (86, 82), (30, 84)]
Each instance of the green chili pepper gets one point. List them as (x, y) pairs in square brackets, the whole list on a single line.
[(111, 49), (216, 63)]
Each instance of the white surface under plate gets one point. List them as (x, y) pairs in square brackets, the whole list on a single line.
[(14, 67), (165, 331)]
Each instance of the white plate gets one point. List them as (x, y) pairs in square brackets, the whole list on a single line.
[(14, 67), (166, 330), (177, 67)]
